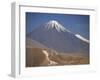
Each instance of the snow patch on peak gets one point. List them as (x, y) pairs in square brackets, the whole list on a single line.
[(82, 38), (53, 24)]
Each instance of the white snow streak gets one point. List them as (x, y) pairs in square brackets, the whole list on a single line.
[(82, 38)]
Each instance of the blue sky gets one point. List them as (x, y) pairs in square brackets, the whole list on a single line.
[(75, 23)]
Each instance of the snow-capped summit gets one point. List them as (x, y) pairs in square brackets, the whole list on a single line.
[(54, 36), (53, 24)]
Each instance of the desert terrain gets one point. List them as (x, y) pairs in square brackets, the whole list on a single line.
[(36, 57)]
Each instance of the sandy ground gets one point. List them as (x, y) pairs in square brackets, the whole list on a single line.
[(44, 57)]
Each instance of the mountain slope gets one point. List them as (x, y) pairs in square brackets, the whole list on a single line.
[(34, 44), (55, 36)]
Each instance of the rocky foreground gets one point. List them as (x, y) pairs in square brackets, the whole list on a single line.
[(36, 57)]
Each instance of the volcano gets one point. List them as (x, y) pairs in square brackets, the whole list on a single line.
[(55, 36)]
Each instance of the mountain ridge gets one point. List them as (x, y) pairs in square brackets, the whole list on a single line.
[(53, 35)]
